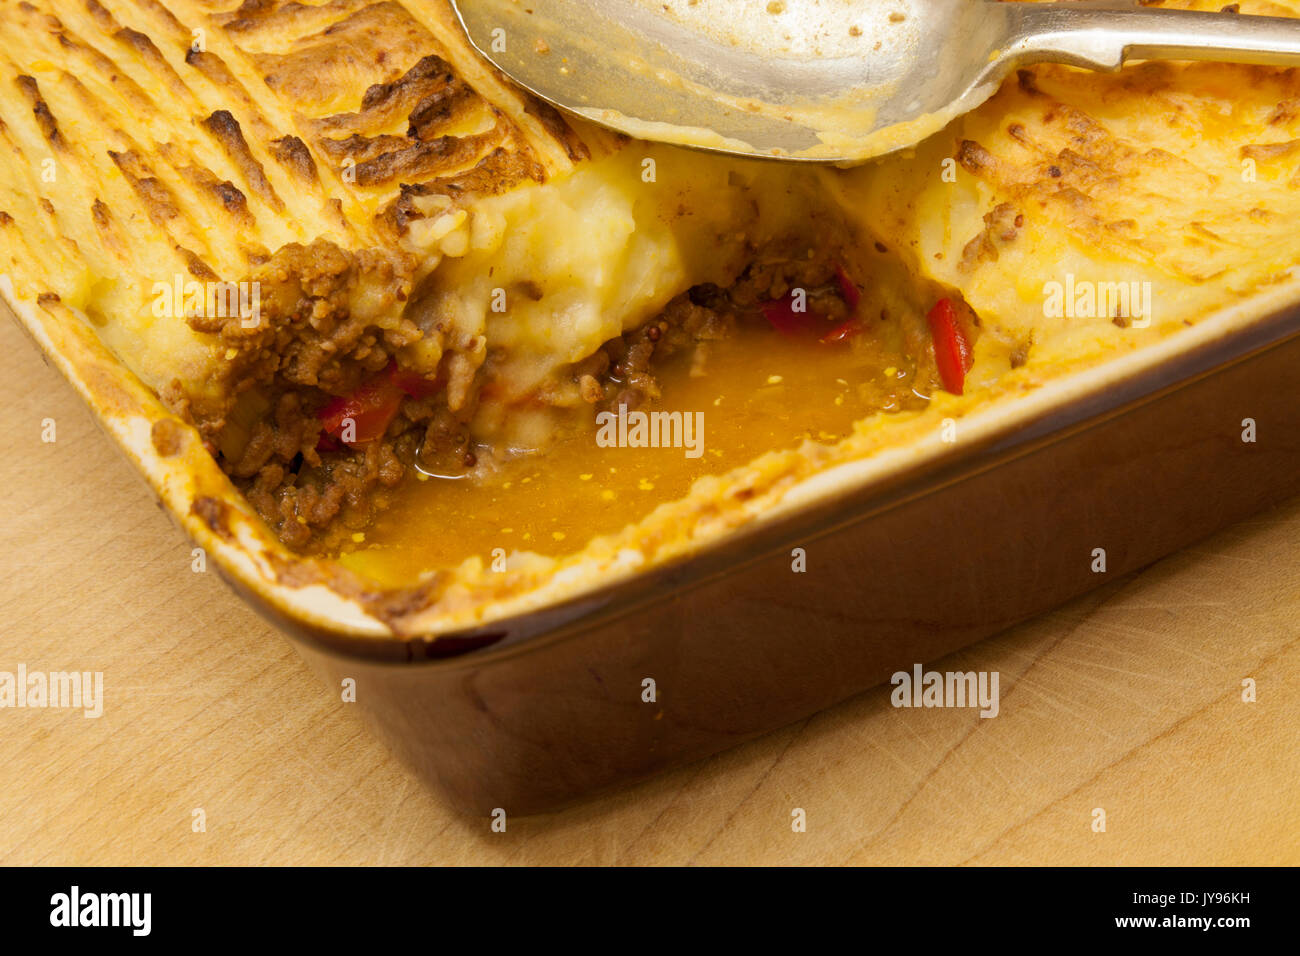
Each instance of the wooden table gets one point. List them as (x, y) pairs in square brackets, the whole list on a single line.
[(1129, 700)]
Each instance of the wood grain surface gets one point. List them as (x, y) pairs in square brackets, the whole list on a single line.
[(1129, 700)]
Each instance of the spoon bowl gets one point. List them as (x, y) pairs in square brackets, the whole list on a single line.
[(824, 80)]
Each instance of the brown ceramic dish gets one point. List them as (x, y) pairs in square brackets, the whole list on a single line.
[(1141, 457), (293, 255)]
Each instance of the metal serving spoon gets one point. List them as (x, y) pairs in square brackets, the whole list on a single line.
[(825, 80)]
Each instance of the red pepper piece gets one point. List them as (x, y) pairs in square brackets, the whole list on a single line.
[(371, 407), (781, 315), (412, 383), (952, 352), (841, 333)]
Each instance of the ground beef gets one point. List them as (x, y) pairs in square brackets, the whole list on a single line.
[(707, 314), (305, 334), (316, 493), (629, 375), (307, 348)]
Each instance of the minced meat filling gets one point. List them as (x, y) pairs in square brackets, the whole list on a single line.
[(315, 496), (704, 315), (316, 493)]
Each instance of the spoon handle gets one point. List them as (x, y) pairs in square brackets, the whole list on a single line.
[(1102, 36)]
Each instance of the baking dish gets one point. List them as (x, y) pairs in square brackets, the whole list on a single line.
[(758, 593), (910, 555)]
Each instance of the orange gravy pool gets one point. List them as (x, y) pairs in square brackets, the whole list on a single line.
[(760, 392)]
